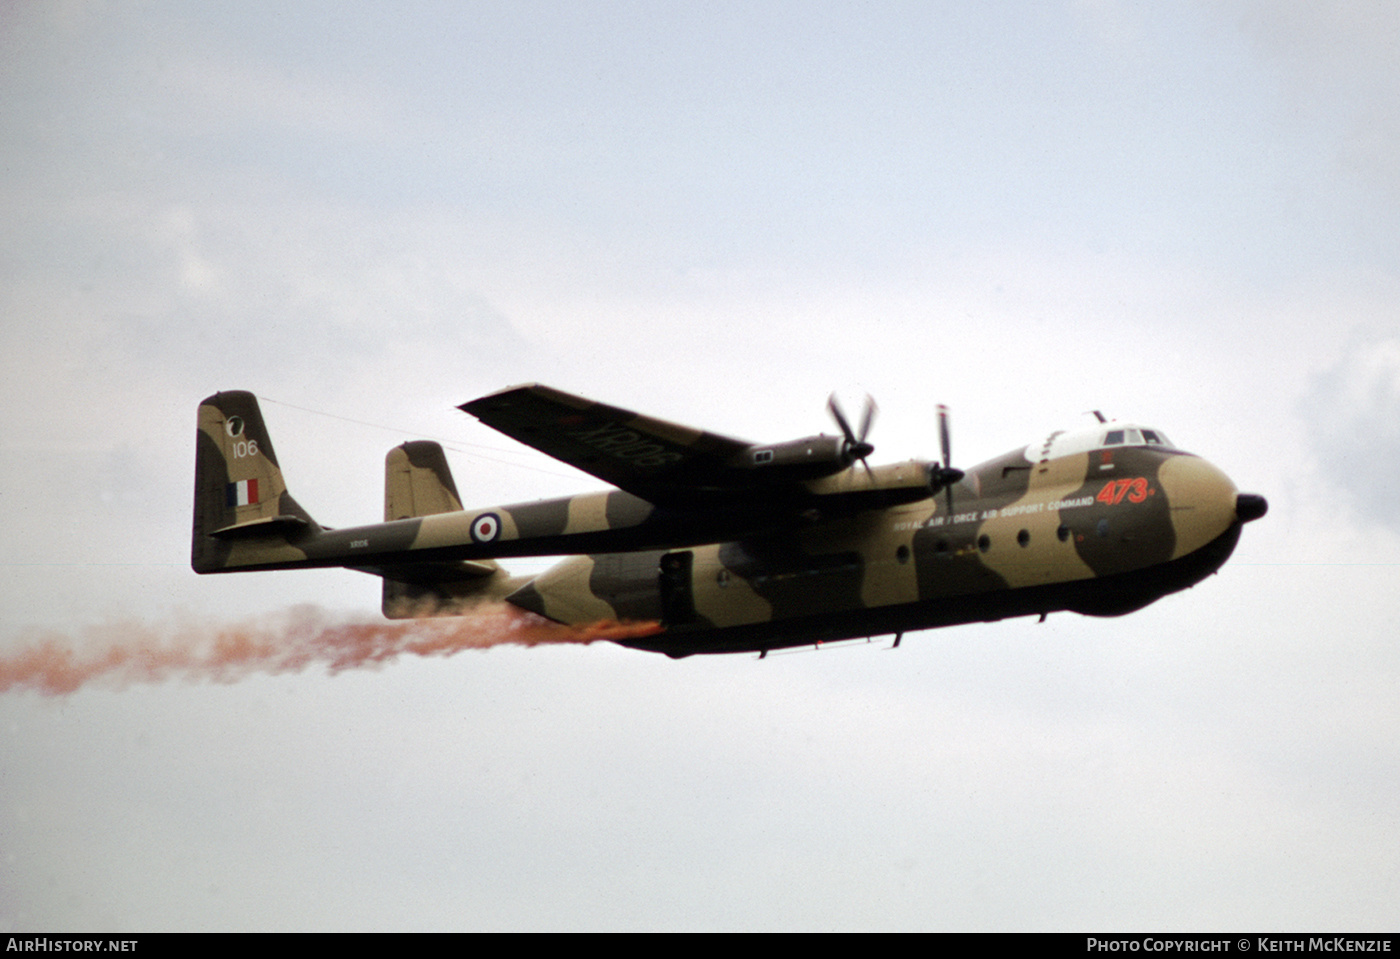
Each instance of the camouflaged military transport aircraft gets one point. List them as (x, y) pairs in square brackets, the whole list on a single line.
[(736, 546)]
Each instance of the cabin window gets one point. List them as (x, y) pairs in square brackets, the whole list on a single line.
[(1062, 532), (984, 542), (902, 554), (1024, 537), (762, 456)]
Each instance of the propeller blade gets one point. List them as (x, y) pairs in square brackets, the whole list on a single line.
[(943, 435), (946, 475), (867, 418), (856, 447), (834, 408)]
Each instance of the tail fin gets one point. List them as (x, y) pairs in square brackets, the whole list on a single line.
[(244, 518), (418, 482)]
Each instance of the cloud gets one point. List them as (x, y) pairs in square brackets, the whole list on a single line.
[(1353, 408)]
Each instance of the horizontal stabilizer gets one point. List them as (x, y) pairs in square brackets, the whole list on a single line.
[(268, 526)]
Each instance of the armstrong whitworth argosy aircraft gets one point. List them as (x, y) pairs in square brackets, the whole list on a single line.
[(735, 546)]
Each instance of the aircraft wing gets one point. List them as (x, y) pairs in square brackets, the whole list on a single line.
[(664, 463)]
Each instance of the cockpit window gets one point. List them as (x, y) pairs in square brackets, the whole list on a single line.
[(1130, 436), (1107, 436)]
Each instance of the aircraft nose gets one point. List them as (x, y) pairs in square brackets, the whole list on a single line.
[(1250, 506), (1202, 499)]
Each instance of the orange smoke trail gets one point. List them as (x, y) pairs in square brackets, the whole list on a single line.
[(124, 653)]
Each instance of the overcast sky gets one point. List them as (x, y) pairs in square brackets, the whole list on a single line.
[(1182, 214)]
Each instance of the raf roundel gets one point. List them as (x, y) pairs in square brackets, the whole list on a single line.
[(486, 528)]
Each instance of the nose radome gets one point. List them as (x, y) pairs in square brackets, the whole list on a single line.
[(1202, 500)]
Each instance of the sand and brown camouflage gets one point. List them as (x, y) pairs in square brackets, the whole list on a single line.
[(737, 546)]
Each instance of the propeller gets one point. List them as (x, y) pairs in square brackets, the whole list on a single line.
[(944, 475), (856, 447)]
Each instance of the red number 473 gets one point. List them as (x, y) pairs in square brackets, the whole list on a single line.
[(1135, 489)]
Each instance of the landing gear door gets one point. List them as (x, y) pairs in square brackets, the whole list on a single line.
[(677, 596)]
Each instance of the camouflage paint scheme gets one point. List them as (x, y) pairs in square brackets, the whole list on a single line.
[(735, 546)]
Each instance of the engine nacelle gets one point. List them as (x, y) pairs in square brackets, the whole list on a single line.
[(806, 459)]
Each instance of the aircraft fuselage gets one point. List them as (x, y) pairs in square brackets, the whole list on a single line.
[(738, 553), (1093, 533)]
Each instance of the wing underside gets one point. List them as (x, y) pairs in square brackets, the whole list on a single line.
[(681, 468), (664, 463)]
